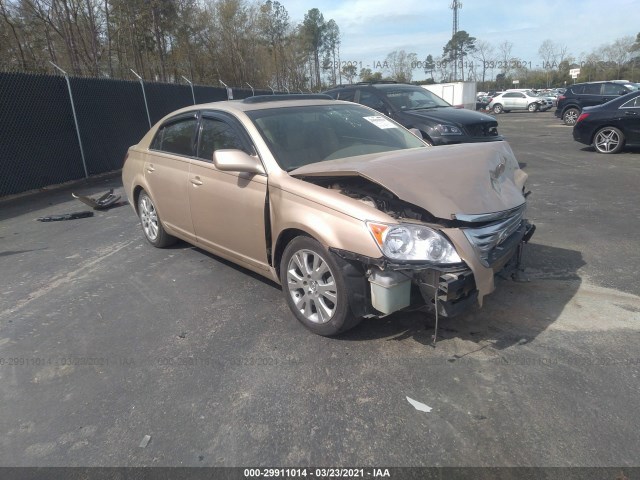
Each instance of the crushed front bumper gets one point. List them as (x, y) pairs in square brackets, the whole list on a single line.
[(378, 287)]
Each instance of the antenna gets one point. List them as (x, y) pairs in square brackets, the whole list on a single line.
[(455, 6)]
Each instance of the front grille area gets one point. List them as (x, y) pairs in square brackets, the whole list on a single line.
[(483, 129), (488, 238)]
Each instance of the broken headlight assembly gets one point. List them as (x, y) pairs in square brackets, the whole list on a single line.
[(410, 242)]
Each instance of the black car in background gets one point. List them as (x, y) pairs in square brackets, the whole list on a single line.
[(611, 126), (581, 95), (415, 107)]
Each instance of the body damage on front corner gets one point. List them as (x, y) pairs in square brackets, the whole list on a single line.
[(480, 213)]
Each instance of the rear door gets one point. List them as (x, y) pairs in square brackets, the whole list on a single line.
[(166, 171), (631, 120), (227, 208), (591, 95)]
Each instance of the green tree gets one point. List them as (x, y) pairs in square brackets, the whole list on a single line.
[(367, 75), (274, 26), (429, 65), (400, 65), (349, 72), (457, 49), (313, 32)]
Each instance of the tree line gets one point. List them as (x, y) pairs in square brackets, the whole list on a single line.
[(494, 66), (234, 41), (256, 43)]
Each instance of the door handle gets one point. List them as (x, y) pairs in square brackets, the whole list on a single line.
[(196, 181), (631, 113), (150, 168)]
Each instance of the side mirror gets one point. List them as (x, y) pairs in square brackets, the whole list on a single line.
[(229, 160)]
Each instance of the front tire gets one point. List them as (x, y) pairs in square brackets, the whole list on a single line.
[(608, 140), (570, 116), (533, 107), (152, 227), (497, 108), (314, 288)]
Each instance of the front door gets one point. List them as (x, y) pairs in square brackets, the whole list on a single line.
[(227, 208)]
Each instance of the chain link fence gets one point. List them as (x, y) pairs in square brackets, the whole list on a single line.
[(40, 144)]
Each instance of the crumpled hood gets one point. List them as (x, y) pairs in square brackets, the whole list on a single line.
[(445, 181)]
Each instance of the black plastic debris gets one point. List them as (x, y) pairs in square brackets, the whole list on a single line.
[(66, 216), (101, 203)]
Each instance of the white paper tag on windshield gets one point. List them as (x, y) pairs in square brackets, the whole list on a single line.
[(380, 122)]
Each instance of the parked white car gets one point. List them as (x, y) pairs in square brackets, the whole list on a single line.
[(518, 100)]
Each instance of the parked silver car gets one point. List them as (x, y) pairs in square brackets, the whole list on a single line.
[(518, 100)]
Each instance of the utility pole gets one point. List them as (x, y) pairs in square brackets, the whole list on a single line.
[(455, 6)]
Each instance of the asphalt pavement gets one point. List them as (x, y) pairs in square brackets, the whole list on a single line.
[(105, 340)]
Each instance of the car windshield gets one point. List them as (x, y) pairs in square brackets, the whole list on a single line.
[(413, 98), (299, 136)]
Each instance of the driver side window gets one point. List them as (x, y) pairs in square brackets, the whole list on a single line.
[(216, 135)]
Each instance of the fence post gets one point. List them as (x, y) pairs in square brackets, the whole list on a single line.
[(144, 95), (252, 91), (75, 119), (192, 94)]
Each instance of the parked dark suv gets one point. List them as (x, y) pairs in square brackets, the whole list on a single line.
[(415, 107), (580, 95)]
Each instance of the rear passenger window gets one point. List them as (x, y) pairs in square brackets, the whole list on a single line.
[(577, 90), (177, 137), (347, 96), (592, 89)]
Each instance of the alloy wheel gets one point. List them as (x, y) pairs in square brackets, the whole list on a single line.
[(312, 287)]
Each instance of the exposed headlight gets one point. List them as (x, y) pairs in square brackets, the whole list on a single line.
[(444, 129), (413, 242)]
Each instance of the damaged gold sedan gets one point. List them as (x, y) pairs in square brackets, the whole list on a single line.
[(352, 214)]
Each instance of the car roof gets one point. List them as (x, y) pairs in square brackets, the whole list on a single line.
[(384, 84), (621, 82), (261, 102)]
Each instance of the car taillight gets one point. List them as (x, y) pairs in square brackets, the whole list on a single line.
[(561, 97), (582, 117)]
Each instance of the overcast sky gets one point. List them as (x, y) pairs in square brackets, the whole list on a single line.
[(373, 28)]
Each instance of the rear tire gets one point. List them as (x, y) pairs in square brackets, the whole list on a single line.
[(570, 116), (152, 227), (608, 140), (314, 288), (497, 108)]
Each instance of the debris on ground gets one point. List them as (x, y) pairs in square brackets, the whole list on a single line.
[(145, 441), (65, 216), (101, 203), (418, 405)]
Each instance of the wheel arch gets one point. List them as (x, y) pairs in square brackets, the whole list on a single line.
[(284, 238), (136, 195)]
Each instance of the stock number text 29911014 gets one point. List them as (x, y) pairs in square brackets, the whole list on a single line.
[(489, 64)]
